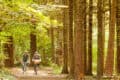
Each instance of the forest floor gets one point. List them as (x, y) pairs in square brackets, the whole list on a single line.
[(47, 73), (43, 74)]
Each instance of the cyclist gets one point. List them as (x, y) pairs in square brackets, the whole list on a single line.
[(25, 59), (36, 60)]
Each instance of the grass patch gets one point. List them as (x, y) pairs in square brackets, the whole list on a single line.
[(5, 74), (56, 69)]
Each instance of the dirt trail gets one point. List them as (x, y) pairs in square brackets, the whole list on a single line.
[(43, 74)]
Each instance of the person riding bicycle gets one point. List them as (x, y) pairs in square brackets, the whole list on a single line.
[(36, 60), (25, 59)]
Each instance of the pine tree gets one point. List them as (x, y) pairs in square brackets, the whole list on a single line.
[(71, 53), (79, 38), (100, 53), (65, 37), (118, 34), (89, 72), (110, 51)]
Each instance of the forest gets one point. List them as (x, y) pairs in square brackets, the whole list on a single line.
[(77, 39)]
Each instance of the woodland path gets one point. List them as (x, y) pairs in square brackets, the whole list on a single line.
[(43, 74), (47, 74)]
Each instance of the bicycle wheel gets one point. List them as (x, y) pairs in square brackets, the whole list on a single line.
[(35, 68), (24, 67)]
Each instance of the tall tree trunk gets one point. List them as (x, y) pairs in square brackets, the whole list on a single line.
[(0, 46), (79, 38), (8, 48), (100, 54), (11, 51), (71, 53), (60, 48), (33, 46), (110, 53), (85, 39), (0, 41), (65, 37), (33, 41), (89, 71), (52, 43), (118, 34)]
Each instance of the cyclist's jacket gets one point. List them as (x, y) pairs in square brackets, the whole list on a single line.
[(36, 56), (25, 57)]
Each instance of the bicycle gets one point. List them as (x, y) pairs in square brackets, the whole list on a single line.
[(36, 68), (36, 64), (36, 60)]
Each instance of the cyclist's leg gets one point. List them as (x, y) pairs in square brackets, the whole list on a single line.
[(23, 67), (35, 68), (37, 65)]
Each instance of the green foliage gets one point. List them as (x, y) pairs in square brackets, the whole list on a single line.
[(2, 59), (43, 44), (5, 74), (18, 18), (56, 69)]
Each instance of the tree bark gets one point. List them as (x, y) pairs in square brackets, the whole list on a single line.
[(65, 37), (100, 54), (33, 46), (0, 41), (110, 53), (52, 43), (89, 71), (8, 49), (71, 53), (85, 39), (118, 34), (59, 48), (79, 38)]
